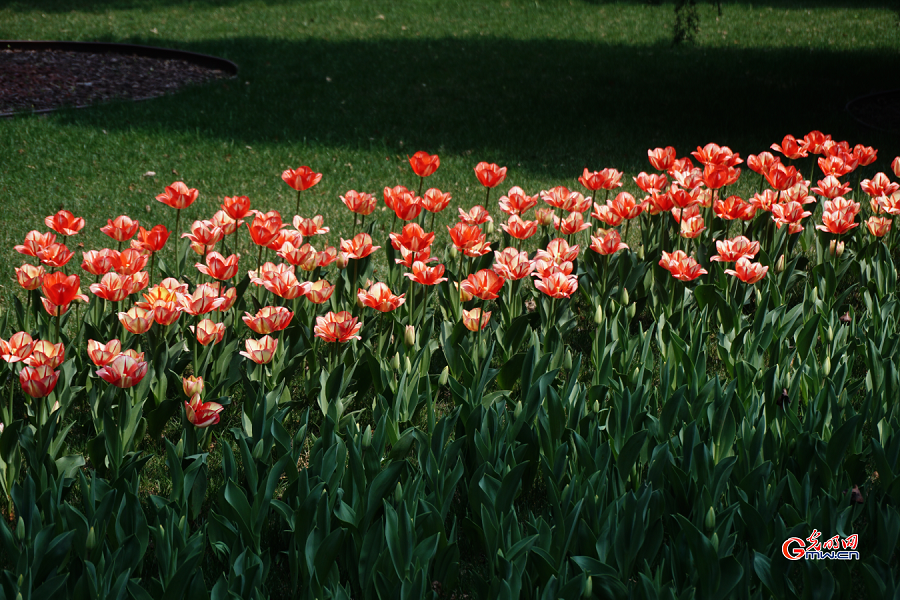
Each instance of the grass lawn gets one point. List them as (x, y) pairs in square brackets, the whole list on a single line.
[(351, 88)]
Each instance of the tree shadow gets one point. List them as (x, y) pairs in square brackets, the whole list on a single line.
[(550, 106)]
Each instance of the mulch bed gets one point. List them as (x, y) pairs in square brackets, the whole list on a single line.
[(33, 80)]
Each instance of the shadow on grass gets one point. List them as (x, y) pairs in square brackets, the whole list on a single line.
[(551, 106)]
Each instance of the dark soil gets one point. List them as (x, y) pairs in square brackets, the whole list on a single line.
[(45, 79)]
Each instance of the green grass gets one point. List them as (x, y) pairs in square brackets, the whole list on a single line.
[(351, 88)]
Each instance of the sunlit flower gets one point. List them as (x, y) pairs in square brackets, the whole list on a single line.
[(123, 371), (38, 382), (223, 221), (425, 275), (484, 284), (151, 241), (310, 227), (209, 332), (55, 255), (219, 267), (121, 229), (112, 287), (557, 285), (516, 202), (474, 319), (47, 354), (762, 162), (435, 200), (571, 225), (64, 223), (237, 207), (605, 214), (319, 292), (424, 164), (607, 242), (337, 327), (360, 203), (301, 178), (412, 237), (260, 351), (268, 319), (137, 320), (478, 215), (380, 297), (265, 227), (607, 179), (178, 195), (733, 249), (748, 272), (490, 175), (681, 266), (519, 229), (34, 242), (129, 261), (202, 414), (18, 348), (662, 158), (102, 354), (359, 247), (469, 240), (651, 183), (29, 276), (512, 264)]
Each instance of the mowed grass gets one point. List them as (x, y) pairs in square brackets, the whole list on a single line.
[(351, 88)]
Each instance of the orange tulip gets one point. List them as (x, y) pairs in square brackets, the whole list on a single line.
[(733, 208), (748, 272), (762, 162), (558, 285), (102, 354), (607, 179), (46, 354), (516, 202), (392, 195), (474, 319), (484, 284), (718, 176), (153, 240), (18, 348), (310, 227), (434, 200), (607, 242), (261, 351), (38, 382), (380, 297), (285, 285), (878, 226), (129, 261), (879, 185), (327, 256), (265, 227), (208, 332), (544, 268), (178, 195), (684, 214), (469, 240), (519, 229), (34, 242), (304, 257), (123, 371), (301, 178), (544, 216), (790, 148), (337, 327), (764, 200), (113, 287), (219, 267), (422, 273), (424, 164), (237, 207), (662, 158), (408, 257), (359, 247), (571, 224), (781, 177), (557, 196), (137, 320), (837, 165), (192, 385), (202, 414), (831, 187), (407, 206), (55, 255), (478, 215), (624, 206), (268, 319), (319, 292), (121, 228), (359, 202), (413, 238), (681, 266), (30, 277), (837, 222), (99, 262), (464, 296), (490, 175), (733, 249), (512, 264), (713, 154), (64, 223)]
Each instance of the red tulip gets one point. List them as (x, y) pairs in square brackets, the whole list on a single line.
[(113, 287), (265, 227), (571, 224), (38, 382), (607, 242), (310, 227), (55, 255), (748, 272), (895, 166), (607, 179), (474, 319), (790, 214), (178, 195), (268, 319), (59, 289), (337, 327), (762, 162), (261, 351), (733, 208), (151, 241), (65, 223), (469, 240), (123, 371), (865, 155), (790, 148), (692, 228), (412, 237), (34, 242), (478, 215), (557, 285), (516, 202), (102, 354), (224, 222), (879, 185), (624, 206), (434, 200), (424, 164), (320, 292), (651, 183), (519, 229), (831, 187), (733, 249), (380, 297), (205, 299), (137, 320), (484, 284), (421, 273), (18, 348), (512, 264), (237, 207), (219, 267), (681, 266), (602, 212), (208, 332), (30, 277), (327, 256), (359, 203), (558, 251), (359, 247), (301, 178), (490, 175), (202, 414), (46, 354), (204, 233), (662, 159)]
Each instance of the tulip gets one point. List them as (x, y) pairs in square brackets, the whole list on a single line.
[(571, 224), (558, 285), (152, 241), (178, 196), (624, 206), (192, 385), (130, 261), (219, 267), (409, 335), (478, 215), (18, 348), (878, 226), (424, 164), (605, 214), (359, 203), (64, 223), (202, 414), (895, 166), (205, 299), (301, 178), (484, 284), (310, 227), (434, 200), (359, 247), (662, 158), (544, 216), (732, 250), (326, 257), (55, 255), (469, 240), (268, 319), (38, 382), (123, 371), (681, 266), (490, 175), (60, 289), (265, 227), (102, 354), (237, 207), (303, 256), (100, 262), (29, 276), (607, 179), (651, 183), (790, 148), (113, 287), (204, 234), (34, 242), (121, 228), (137, 320), (260, 351), (607, 242), (879, 185), (713, 154), (337, 327), (223, 221), (512, 264), (556, 197), (748, 272), (516, 202), (693, 227), (475, 320), (558, 251), (320, 292), (762, 162), (413, 238), (208, 332), (380, 297)]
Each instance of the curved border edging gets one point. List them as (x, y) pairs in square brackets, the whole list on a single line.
[(864, 123), (203, 60)]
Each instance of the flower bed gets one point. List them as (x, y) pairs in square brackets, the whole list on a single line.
[(739, 392)]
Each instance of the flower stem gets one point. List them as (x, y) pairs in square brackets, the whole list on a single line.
[(297, 210)]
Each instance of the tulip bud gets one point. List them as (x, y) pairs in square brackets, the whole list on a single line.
[(398, 492), (598, 315), (453, 252), (596, 406), (181, 523), (710, 522), (395, 362), (445, 376), (489, 228), (409, 335), (831, 247), (567, 361), (715, 541), (20, 582), (588, 589), (342, 260), (839, 249), (367, 437), (630, 311), (407, 365), (91, 542), (20, 530), (258, 450), (758, 296), (779, 266), (518, 412), (359, 302), (826, 366)]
